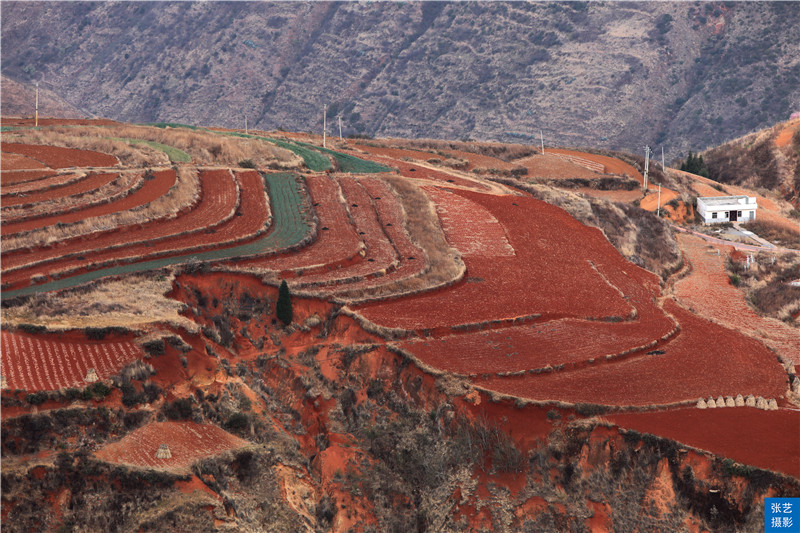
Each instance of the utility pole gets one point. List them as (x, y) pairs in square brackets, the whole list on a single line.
[(340, 126), (541, 136), (646, 165), (658, 208), (324, 122), (36, 120), (663, 168)]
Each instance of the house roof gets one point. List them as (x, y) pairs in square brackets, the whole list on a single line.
[(726, 200)]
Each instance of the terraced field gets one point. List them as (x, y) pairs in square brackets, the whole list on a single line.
[(462, 276)]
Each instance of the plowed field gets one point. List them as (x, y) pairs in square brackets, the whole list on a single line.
[(217, 205), (39, 185), (703, 360), (555, 273), (152, 189), (769, 441), (75, 188), (188, 442), (57, 157), (36, 363)]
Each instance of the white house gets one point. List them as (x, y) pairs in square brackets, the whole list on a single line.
[(715, 209)]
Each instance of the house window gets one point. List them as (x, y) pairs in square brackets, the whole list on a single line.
[(714, 214), (738, 214)]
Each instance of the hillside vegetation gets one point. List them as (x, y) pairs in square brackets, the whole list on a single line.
[(685, 75)]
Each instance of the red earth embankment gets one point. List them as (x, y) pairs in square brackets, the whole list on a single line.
[(58, 157)]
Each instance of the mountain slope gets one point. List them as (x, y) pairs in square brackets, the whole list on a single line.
[(601, 74)]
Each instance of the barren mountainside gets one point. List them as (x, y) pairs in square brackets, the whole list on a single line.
[(688, 75)]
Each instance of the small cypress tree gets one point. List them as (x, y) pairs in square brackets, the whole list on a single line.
[(283, 308)]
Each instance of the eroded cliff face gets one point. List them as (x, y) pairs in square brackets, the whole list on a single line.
[(347, 434), (601, 74)]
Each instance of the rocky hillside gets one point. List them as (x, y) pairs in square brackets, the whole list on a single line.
[(688, 75)]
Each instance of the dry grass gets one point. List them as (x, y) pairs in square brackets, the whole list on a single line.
[(120, 187), (91, 138), (777, 234), (444, 265), (502, 151), (183, 194), (131, 301), (204, 147), (766, 284)]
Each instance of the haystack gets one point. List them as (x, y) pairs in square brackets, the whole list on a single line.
[(163, 452)]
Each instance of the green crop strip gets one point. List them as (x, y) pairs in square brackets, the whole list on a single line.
[(175, 155), (291, 224), (172, 125), (350, 163)]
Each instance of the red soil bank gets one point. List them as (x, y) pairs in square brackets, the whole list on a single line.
[(51, 362), (552, 272), (11, 161), (48, 182), (703, 360), (58, 157), (187, 443), (767, 439), (217, 202), (74, 188), (152, 189), (335, 246), (237, 229)]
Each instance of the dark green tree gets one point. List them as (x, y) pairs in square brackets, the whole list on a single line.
[(283, 308), (694, 163)]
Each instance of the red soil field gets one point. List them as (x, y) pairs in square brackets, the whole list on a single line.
[(767, 439), (612, 164), (784, 138), (703, 360), (397, 153), (57, 157), (554, 167), (187, 441), (707, 291), (481, 162), (380, 255), (152, 189), (47, 182), (13, 177), (88, 184), (651, 201), (11, 161), (336, 246), (412, 259), (51, 362), (560, 269), (537, 345), (483, 237), (218, 200), (255, 214)]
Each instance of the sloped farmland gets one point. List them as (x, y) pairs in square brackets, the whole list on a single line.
[(58, 157), (188, 442), (38, 362)]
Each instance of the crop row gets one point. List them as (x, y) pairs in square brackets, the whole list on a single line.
[(149, 190), (218, 204), (24, 191), (290, 228), (58, 157), (34, 363), (96, 189)]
